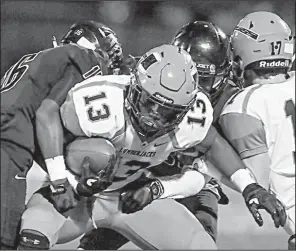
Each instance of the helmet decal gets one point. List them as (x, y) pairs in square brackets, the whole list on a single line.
[(148, 61), (247, 32), (86, 43)]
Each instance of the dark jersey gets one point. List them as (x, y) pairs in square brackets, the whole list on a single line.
[(46, 74), (28, 82), (229, 90)]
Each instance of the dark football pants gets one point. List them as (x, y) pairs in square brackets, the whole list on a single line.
[(204, 206), (13, 193)]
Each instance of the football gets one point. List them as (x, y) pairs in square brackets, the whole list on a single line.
[(100, 151)]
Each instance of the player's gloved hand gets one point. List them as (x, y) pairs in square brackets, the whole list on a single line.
[(92, 182), (139, 194), (256, 197), (62, 195)]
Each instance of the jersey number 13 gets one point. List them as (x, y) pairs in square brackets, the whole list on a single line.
[(95, 115)]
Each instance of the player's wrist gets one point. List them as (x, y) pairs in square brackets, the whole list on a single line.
[(241, 179), (72, 180), (180, 186), (56, 168), (59, 186)]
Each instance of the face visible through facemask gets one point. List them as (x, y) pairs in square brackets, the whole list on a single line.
[(154, 116)]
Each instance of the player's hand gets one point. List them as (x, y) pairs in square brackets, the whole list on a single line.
[(92, 182), (139, 194), (257, 197), (62, 195)]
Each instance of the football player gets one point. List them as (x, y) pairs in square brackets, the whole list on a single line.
[(260, 120), (164, 112), (32, 91), (213, 65)]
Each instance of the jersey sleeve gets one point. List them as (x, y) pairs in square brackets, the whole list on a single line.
[(228, 91), (195, 125), (245, 132), (59, 91), (66, 66), (94, 107)]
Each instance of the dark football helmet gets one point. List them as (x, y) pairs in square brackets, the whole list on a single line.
[(98, 37), (208, 46)]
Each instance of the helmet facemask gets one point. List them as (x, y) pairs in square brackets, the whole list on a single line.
[(213, 80), (162, 90), (153, 116), (114, 51)]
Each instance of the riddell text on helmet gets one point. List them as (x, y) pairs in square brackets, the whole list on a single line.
[(274, 63)]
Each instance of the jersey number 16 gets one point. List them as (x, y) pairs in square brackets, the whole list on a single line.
[(16, 72)]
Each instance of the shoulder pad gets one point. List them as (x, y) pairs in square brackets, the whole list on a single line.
[(99, 106), (87, 61), (120, 81), (195, 124)]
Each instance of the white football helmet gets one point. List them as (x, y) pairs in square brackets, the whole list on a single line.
[(163, 89)]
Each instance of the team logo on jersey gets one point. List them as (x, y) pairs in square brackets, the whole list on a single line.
[(137, 153), (160, 144), (278, 63)]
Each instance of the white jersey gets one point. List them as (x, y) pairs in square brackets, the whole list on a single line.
[(269, 106), (96, 108)]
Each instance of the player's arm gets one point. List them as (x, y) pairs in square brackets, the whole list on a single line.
[(247, 135), (183, 185), (49, 128), (223, 157), (61, 71), (140, 193), (62, 67), (259, 166)]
